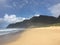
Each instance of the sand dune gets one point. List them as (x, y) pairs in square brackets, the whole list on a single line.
[(38, 36)]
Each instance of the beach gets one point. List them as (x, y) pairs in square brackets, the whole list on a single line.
[(34, 36)]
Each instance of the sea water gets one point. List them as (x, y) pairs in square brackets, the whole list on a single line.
[(10, 30)]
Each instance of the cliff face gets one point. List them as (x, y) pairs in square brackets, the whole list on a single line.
[(36, 20)]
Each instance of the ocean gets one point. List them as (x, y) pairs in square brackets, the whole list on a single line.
[(10, 35), (10, 30)]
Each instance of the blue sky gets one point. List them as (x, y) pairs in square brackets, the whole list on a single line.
[(12, 11), (23, 8)]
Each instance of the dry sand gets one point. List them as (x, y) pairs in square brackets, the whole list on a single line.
[(38, 36)]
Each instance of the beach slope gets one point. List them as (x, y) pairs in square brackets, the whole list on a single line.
[(38, 36)]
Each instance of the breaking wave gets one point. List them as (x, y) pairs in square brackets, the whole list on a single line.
[(10, 30)]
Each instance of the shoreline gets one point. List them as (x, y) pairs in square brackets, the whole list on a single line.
[(37, 36), (11, 37)]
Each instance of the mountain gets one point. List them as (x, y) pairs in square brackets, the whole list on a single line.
[(43, 19), (58, 19), (36, 21), (19, 24)]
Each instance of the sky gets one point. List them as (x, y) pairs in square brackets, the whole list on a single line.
[(12, 11)]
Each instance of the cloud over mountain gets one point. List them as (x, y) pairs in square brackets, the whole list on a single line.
[(13, 18), (8, 19)]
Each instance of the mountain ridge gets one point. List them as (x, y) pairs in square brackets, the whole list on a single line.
[(35, 21)]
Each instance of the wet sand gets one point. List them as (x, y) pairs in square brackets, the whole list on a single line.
[(11, 37), (35, 36)]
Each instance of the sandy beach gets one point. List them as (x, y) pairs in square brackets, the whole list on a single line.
[(35, 36)]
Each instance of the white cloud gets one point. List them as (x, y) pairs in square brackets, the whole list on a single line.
[(37, 15), (12, 18), (55, 10), (8, 19)]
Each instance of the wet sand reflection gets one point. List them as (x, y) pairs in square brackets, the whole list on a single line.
[(4, 39)]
